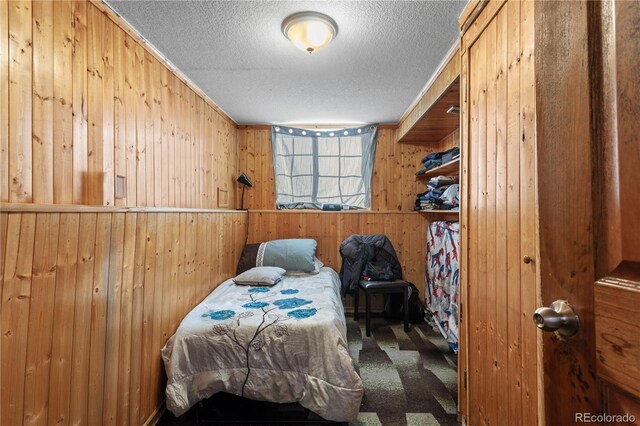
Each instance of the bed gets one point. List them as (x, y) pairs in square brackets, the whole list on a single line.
[(284, 343)]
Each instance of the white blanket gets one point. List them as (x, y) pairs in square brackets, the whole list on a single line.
[(281, 344)]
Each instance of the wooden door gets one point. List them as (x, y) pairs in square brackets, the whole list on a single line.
[(588, 152), (551, 171), (617, 289), (499, 290)]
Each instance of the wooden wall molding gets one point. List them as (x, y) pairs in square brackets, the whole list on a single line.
[(73, 208)]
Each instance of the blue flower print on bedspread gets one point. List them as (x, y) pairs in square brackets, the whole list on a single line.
[(255, 305), (289, 291), (259, 290), (303, 313), (219, 315), (293, 302)]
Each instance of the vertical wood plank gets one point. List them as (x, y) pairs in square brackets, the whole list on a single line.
[(80, 101), (501, 280), (42, 99), (108, 118), (112, 349), (209, 174), (119, 110), (156, 388), (530, 294), (515, 354), (473, 309), (141, 159), (147, 316), (189, 160), (43, 286), (171, 132), (95, 145), (16, 296), (4, 218), (62, 361), (4, 102), (63, 45), (130, 101), (126, 297), (490, 191), (196, 154), (166, 187), (156, 95), (148, 105), (175, 261), (20, 107), (463, 315), (99, 316), (136, 318), (179, 144), (78, 395), (249, 196)]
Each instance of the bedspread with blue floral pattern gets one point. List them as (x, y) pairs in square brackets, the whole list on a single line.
[(282, 344)]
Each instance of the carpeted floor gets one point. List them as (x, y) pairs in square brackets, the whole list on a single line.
[(409, 378)]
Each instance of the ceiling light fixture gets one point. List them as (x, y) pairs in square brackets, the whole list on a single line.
[(309, 31)]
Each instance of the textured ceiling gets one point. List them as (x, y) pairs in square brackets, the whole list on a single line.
[(234, 51)]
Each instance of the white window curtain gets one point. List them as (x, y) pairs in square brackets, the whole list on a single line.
[(315, 169)]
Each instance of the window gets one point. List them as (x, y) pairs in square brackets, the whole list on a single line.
[(313, 168)]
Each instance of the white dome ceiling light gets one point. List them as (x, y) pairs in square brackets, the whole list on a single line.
[(309, 31)]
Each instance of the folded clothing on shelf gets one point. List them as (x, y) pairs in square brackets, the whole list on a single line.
[(439, 181), (441, 198), (436, 159)]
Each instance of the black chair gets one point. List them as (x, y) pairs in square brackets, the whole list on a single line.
[(370, 287)]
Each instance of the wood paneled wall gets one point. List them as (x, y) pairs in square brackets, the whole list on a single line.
[(407, 232), (90, 298), (499, 217), (83, 101), (393, 185), (393, 195)]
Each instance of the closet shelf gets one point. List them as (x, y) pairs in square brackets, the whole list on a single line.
[(440, 212), (448, 169)]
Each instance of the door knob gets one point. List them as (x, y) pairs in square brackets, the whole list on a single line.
[(559, 317)]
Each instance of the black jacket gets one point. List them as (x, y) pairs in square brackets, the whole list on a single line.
[(357, 250)]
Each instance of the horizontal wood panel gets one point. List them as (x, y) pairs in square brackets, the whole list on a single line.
[(621, 404), (88, 301), (407, 232), (436, 123), (87, 103), (618, 334), (72, 208)]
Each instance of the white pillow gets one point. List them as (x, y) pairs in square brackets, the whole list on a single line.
[(260, 275), (316, 269)]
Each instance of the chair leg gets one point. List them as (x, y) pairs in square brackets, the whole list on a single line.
[(406, 309), (356, 303), (367, 312)]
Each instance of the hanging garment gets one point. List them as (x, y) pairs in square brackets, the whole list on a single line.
[(442, 278)]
